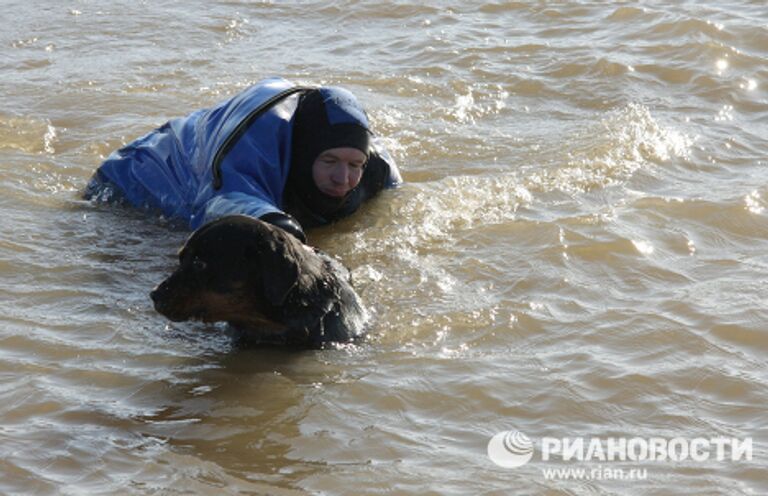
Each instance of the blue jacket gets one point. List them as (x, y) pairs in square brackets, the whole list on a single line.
[(233, 158)]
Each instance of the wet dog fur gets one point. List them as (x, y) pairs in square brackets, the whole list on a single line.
[(264, 281)]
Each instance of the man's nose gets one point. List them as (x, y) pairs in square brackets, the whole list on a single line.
[(340, 174)]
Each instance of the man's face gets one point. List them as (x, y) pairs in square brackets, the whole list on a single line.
[(337, 170)]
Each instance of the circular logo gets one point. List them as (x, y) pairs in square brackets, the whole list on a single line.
[(510, 449)]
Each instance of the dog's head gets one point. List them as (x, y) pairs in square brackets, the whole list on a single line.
[(236, 269)]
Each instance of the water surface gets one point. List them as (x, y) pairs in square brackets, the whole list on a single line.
[(579, 251)]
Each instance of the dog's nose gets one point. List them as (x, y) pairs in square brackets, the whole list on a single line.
[(155, 294)]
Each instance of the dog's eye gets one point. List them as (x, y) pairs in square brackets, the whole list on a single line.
[(198, 265)]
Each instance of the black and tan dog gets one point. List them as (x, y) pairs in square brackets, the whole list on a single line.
[(262, 280)]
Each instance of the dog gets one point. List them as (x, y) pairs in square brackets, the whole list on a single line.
[(264, 281)]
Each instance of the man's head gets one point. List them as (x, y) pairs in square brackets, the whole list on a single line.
[(331, 145), (337, 171)]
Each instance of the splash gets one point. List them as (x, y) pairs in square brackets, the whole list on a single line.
[(437, 210), (605, 153), (48, 139), (609, 152), (477, 101), (462, 109), (27, 134), (753, 203)]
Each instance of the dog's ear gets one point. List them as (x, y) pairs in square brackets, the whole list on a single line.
[(279, 268)]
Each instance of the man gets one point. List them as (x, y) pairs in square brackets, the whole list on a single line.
[(289, 155)]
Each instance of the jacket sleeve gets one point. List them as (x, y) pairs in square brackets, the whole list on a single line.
[(253, 174), (380, 173), (393, 177), (234, 203)]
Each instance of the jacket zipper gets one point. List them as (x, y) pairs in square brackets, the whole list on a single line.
[(241, 128)]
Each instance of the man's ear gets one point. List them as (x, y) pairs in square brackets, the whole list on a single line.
[(279, 268)]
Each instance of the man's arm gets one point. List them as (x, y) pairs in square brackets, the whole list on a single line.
[(237, 203)]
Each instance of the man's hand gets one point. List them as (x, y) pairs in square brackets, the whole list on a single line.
[(286, 223)]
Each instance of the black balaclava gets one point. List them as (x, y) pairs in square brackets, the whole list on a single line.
[(325, 118)]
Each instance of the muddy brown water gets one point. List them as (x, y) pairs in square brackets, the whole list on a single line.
[(579, 250)]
